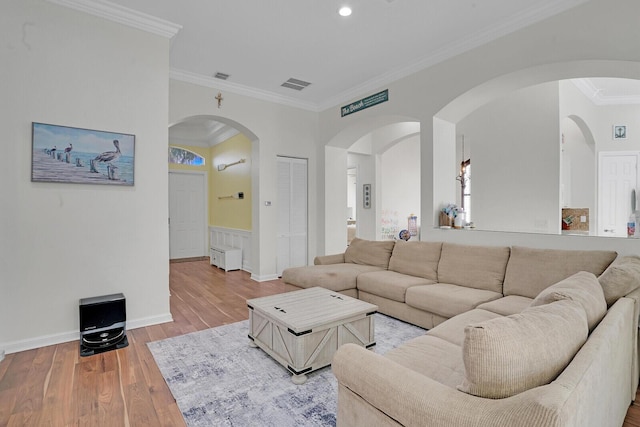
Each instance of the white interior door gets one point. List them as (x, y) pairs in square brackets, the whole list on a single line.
[(292, 213), (187, 215), (618, 175)]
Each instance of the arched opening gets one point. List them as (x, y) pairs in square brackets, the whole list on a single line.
[(513, 125), (229, 189), (372, 169)]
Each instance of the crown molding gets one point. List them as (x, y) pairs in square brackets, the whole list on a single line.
[(123, 15), (519, 21), (211, 82), (598, 98)]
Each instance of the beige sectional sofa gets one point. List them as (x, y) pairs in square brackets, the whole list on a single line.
[(517, 336)]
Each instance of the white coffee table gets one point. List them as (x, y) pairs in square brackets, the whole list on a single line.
[(303, 329)]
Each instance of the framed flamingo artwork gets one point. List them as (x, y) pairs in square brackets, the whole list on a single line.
[(81, 156)]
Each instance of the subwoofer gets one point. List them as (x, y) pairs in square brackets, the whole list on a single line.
[(102, 324)]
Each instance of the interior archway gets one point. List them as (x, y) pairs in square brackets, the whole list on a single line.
[(361, 148), (208, 134), (491, 91)]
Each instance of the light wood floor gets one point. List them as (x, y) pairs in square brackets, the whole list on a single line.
[(54, 386)]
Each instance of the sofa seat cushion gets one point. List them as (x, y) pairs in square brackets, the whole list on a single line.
[(508, 355), (508, 305), (583, 288), (620, 278), (389, 284), (447, 300), (369, 252), (432, 357), (452, 330), (418, 259), (335, 277), (530, 270), (480, 267)]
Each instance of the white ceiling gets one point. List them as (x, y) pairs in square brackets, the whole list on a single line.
[(261, 44)]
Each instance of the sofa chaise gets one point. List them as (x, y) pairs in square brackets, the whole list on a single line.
[(516, 336)]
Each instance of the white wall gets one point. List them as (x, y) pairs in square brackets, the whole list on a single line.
[(63, 242), (516, 161), (400, 181), (365, 164)]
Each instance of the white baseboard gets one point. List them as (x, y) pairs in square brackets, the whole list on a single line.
[(264, 278), (52, 339), (1, 355)]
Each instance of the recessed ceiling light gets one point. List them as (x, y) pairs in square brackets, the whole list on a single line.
[(344, 11)]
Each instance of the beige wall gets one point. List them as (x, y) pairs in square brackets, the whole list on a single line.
[(231, 213)]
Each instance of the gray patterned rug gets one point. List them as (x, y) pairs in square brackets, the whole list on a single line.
[(218, 380)]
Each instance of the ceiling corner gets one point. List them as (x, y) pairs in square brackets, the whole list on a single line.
[(123, 15)]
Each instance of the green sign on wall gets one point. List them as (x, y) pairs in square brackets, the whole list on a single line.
[(367, 102)]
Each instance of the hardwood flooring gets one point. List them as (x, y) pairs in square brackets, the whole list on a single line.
[(54, 386)]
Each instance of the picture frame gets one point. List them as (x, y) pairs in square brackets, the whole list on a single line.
[(619, 132), (73, 155)]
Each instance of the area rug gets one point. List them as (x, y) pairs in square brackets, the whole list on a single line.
[(217, 379)]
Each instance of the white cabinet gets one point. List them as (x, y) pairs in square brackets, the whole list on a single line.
[(226, 257)]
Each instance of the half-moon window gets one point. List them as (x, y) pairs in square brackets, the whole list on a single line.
[(185, 157)]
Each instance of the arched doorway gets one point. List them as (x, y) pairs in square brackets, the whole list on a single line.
[(360, 155), (228, 191)]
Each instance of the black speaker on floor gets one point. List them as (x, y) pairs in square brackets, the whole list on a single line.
[(103, 324)]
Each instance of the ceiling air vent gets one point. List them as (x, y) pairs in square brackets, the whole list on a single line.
[(295, 84), (221, 76)]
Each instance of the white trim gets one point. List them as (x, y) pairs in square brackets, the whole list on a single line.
[(213, 83), (52, 339), (236, 238), (598, 98), (265, 278), (123, 15), (1, 355)]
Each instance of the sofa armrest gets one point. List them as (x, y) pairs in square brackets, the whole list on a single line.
[(329, 259), (412, 399)]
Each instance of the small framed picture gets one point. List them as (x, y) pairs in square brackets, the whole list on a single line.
[(619, 131)]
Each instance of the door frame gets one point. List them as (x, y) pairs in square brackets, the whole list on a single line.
[(601, 155), (306, 162), (205, 225)]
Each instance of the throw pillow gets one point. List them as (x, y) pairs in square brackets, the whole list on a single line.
[(369, 252), (621, 278), (508, 355), (584, 288)]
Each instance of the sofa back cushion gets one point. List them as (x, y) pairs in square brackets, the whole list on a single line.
[(583, 288), (369, 252), (508, 355), (532, 270), (620, 278), (479, 267), (418, 259)]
